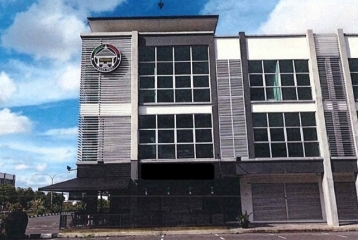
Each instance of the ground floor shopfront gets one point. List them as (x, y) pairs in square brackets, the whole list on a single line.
[(296, 197)]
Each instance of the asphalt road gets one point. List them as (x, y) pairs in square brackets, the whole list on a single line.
[(250, 236)]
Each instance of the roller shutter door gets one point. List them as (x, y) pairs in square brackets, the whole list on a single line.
[(286, 201), (346, 198)]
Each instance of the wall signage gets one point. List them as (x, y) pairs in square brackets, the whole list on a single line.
[(106, 58)]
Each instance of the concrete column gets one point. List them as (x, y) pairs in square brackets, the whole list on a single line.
[(327, 178), (134, 107), (246, 196), (349, 92)]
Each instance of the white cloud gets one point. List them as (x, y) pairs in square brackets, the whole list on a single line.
[(22, 167), (41, 167), (70, 79), (61, 131), (13, 122), (292, 16), (7, 87), (51, 29), (46, 30), (37, 83), (239, 15)]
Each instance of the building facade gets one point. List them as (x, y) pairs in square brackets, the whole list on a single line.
[(6, 178), (197, 127)]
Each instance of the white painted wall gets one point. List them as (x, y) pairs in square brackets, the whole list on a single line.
[(352, 46), (227, 48), (261, 48), (148, 110), (283, 107)]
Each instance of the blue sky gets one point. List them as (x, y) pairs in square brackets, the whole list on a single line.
[(40, 64)]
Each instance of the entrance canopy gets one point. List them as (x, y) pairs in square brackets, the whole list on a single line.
[(88, 184)]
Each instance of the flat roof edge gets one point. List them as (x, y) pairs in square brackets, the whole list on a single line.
[(153, 17)]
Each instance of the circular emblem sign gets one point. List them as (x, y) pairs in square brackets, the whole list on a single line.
[(105, 58)]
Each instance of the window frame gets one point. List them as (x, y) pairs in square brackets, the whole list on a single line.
[(176, 94)]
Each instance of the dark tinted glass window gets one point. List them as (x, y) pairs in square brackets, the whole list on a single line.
[(203, 121), (147, 121), (182, 53), (146, 54), (259, 119), (165, 121), (165, 82), (255, 66), (184, 121), (200, 52), (164, 54), (286, 66)]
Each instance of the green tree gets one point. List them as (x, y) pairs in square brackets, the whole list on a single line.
[(25, 196), (8, 195)]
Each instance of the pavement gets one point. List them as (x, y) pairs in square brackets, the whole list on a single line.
[(258, 228)]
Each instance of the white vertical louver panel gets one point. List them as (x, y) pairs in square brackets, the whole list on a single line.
[(114, 139), (337, 118), (232, 119), (108, 91)]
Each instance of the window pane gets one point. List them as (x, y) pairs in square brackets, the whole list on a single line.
[(182, 68), (257, 94), (301, 65), (273, 93), (147, 152), (308, 119), (292, 119), (201, 95), (278, 150), (259, 120), (146, 96), (185, 150), (201, 81), (270, 66), (255, 66), (165, 121), (166, 151), (286, 66), (203, 121), (182, 53), (200, 52), (184, 136), (183, 96), (275, 119), (147, 121), (353, 64), (354, 77), (147, 136), (182, 82), (311, 149), (262, 150), (295, 150), (146, 68), (165, 68), (289, 93), (200, 68), (309, 134), (287, 80), (204, 150), (293, 134), (304, 93), (165, 96), (165, 136), (164, 54), (203, 135), (271, 80), (146, 54), (165, 82), (355, 91), (184, 121), (277, 134), (260, 135), (255, 80), (303, 79), (146, 82)]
